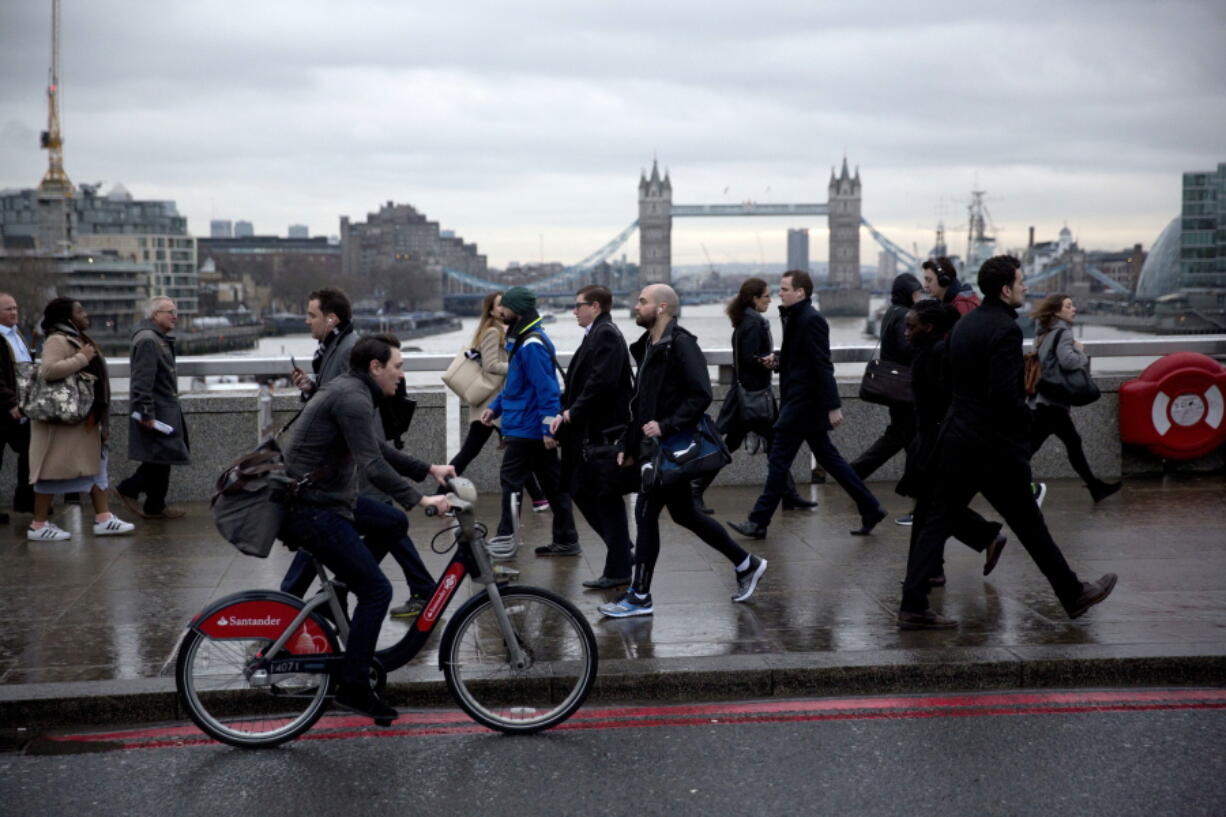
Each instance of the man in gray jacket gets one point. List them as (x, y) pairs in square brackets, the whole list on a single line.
[(157, 434), (334, 439)]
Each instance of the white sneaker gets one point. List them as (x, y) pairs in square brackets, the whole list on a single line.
[(47, 533), (113, 526)]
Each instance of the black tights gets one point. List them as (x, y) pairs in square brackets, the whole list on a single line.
[(681, 507), (1046, 420)]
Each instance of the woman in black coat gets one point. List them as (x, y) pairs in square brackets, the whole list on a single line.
[(927, 327)]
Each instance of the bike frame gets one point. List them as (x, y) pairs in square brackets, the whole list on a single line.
[(471, 559)]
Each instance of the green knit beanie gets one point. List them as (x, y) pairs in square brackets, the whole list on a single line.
[(519, 300)]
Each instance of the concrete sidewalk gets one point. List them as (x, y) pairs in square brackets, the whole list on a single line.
[(89, 627)]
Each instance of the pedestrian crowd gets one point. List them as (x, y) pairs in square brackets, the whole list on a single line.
[(622, 418)]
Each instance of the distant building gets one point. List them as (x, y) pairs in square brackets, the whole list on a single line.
[(844, 196), (299, 231), (243, 229), (221, 228), (404, 255), (887, 270), (267, 272), (151, 233), (798, 248), (1202, 240)]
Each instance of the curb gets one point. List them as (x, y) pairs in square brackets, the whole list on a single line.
[(40, 707)]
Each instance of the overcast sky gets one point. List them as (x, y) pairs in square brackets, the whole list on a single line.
[(524, 126)]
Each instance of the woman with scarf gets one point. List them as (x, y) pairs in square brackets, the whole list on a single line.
[(71, 458)]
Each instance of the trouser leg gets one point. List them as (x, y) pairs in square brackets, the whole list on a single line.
[(785, 442), (829, 458), (935, 518), (1007, 488), (607, 516), (548, 472), (516, 467), (385, 529), (685, 513), (895, 438)]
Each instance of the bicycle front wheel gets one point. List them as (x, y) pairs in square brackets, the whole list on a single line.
[(213, 684), (556, 674)]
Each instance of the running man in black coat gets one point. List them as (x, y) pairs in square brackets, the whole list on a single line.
[(595, 415), (984, 447), (809, 410)]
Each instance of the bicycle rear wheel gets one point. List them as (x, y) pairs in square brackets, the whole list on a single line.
[(560, 666), (212, 680)]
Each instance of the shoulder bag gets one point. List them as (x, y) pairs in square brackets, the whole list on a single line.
[(468, 380), (1064, 386), (885, 382), (685, 455), (67, 401)]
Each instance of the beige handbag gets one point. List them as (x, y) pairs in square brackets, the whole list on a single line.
[(468, 380)]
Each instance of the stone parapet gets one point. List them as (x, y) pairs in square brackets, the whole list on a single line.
[(222, 427)]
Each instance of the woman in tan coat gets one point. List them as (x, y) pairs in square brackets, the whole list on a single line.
[(71, 458)]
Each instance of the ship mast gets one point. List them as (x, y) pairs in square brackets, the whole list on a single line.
[(55, 182)]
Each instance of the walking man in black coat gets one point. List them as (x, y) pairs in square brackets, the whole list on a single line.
[(595, 415), (984, 448), (673, 391), (809, 410)]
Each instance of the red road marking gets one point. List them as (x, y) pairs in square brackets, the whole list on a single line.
[(421, 724)]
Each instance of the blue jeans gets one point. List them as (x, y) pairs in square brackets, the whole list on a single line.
[(385, 529), (335, 541)]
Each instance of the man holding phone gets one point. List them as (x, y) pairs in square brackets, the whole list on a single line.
[(329, 318)]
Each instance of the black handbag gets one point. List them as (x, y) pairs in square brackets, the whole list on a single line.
[(754, 407), (1067, 387), (886, 383), (684, 455)]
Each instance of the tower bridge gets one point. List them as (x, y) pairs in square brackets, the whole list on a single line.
[(843, 291)]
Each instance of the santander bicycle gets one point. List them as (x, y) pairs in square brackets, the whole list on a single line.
[(257, 668)]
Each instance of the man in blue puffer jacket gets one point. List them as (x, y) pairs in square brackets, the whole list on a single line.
[(529, 401)]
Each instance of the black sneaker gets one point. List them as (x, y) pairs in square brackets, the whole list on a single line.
[(363, 700), (747, 579), (556, 549), (410, 609), (905, 521)]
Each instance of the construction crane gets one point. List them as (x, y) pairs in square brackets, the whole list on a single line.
[(710, 263), (55, 182)]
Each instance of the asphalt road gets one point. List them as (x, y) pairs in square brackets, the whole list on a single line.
[(1110, 752)]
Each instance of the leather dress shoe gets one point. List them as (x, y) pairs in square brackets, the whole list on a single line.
[(927, 620), (132, 504), (606, 583), (1091, 594), (992, 554), (867, 523), (750, 529), (797, 503)]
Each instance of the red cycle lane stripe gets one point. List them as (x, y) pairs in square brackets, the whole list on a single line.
[(990, 704)]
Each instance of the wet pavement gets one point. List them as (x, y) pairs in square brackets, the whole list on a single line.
[(112, 609)]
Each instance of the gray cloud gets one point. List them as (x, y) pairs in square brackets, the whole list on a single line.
[(511, 121)]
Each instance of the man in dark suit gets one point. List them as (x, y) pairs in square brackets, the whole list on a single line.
[(809, 409), (985, 448), (595, 413), (14, 427)]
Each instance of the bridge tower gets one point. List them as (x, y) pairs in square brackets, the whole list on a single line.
[(656, 227), (844, 222)]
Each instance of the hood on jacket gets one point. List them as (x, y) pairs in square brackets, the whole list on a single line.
[(902, 293)]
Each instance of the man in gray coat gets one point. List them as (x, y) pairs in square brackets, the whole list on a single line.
[(157, 433)]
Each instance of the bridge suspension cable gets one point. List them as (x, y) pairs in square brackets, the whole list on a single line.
[(892, 248), (568, 273)]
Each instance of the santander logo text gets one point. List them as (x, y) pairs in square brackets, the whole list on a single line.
[(264, 621)]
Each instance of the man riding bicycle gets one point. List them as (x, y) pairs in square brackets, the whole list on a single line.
[(335, 437)]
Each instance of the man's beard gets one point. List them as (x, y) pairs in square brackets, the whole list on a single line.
[(646, 321), (509, 320)]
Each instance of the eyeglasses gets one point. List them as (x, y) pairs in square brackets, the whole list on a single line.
[(579, 304), (167, 311)]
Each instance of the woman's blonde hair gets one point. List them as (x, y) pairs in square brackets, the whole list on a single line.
[(487, 305)]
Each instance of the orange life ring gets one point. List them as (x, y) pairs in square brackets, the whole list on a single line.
[(1177, 407)]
